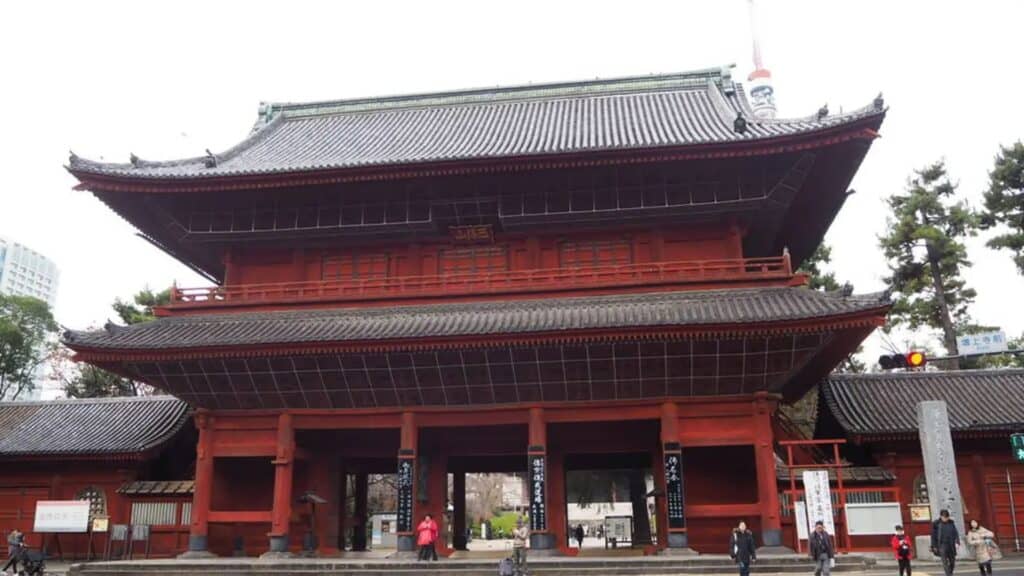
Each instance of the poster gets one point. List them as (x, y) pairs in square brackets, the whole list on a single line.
[(65, 516), (405, 479), (674, 490), (818, 499), (800, 520), (538, 509)]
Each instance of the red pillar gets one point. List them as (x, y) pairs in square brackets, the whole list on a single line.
[(767, 480), (669, 475), (198, 537), (541, 485), (325, 483), (283, 468), (406, 523)]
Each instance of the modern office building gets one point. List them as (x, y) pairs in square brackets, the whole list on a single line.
[(25, 272)]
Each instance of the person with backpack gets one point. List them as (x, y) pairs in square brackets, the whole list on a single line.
[(902, 549), (742, 549), (945, 541), (822, 550), (426, 536)]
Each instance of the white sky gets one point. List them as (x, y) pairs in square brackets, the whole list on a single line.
[(165, 80)]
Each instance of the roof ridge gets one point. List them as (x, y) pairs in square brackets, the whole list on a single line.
[(692, 79), (105, 400), (926, 374)]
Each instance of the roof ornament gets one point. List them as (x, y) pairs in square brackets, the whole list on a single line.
[(739, 124), (113, 329), (134, 160), (879, 102), (72, 156), (822, 112), (211, 159), (846, 290)]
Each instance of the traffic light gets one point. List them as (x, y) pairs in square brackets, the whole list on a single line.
[(1017, 442), (910, 360)]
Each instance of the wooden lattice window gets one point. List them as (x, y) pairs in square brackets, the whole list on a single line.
[(474, 260), (586, 254), (97, 500), (355, 266)]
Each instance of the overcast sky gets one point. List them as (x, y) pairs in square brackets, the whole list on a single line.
[(166, 80)]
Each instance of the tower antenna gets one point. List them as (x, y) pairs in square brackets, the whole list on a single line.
[(762, 94)]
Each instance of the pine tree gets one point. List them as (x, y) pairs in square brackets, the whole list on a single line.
[(817, 277), (1004, 202), (924, 246)]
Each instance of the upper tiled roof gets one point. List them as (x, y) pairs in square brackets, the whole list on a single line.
[(886, 403), (93, 427), (601, 115), (734, 306)]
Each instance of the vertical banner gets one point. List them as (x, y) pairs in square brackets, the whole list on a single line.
[(405, 481), (538, 507), (818, 499), (674, 490)]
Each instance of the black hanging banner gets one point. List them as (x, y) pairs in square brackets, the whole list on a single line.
[(674, 490), (538, 508), (405, 482)]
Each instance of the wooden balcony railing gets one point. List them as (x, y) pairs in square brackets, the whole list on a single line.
[(540, 280)]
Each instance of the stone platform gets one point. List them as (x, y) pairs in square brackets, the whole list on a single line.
[(710, 564)]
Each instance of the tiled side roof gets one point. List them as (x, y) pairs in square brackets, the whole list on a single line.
[(157, 488), (850, 474), (602, 115), (711, 307), (107, 426), (877, 404)]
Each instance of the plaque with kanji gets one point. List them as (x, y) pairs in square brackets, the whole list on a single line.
[(538, 508), (405, 479), (674, 491)]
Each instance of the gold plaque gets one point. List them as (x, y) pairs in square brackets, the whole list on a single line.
[(920, 513)]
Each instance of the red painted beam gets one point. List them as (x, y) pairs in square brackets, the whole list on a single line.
[(241, 516), (723, 510)]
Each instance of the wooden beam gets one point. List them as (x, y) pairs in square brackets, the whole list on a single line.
[(241, 516), (722, 511)]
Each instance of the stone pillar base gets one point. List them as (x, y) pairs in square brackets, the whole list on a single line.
[(197, 549), (772, 539), (406, 547), (278, 548), (543, 544), (678, 545)]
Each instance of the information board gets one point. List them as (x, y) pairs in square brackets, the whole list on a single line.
[(674, 490), (873, 519), (403, 519), (65, 516), (538, 508)]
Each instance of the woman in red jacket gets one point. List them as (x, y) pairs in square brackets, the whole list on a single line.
[(902, 549), (426, 536)]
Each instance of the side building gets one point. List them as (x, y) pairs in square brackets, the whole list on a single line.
[(132, 458), (25, 272)]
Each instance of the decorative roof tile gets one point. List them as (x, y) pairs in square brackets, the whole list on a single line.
[(886, 403), (668, 309), (646, 112), (91, 427)]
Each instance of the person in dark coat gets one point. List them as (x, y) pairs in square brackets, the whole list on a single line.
[(742, 549), (823, 552), (945, 541), (578, 534)]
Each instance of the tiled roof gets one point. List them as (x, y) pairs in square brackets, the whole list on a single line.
[(886, 403), (107, 426), (157, 488), (538, 120), (850, 474), (711, 307)]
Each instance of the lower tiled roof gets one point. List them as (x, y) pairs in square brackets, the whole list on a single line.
[(157, 488), (90, 427), (850, 474), (660, 309), (886, 403)]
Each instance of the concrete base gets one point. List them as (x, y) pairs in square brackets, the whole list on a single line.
[(772, 540), (278, 548), (678, 545), (197, 549)]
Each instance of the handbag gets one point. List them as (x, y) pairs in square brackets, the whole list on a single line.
[(993, 549)]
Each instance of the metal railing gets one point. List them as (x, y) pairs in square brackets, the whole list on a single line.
[(538, 280)]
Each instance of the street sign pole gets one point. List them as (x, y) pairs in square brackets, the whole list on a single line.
[(1013, 510)]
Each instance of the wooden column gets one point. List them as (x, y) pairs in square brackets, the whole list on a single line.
[(767, 480), (342, 496), (538, 481), (459, 510), (283, 468), (406, 521), (324, 476), (362, 488), (198, 537)]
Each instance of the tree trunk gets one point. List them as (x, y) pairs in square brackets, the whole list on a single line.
[(948, 331)]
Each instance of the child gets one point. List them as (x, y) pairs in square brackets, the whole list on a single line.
[(901, 548)]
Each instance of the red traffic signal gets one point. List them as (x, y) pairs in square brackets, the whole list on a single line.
[(909, 360)]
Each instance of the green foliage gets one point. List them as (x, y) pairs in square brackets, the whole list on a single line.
[(505, 523), (93, 382), (27, 331), (923, 244), (141, 310), (1004, 202), (818, 278)]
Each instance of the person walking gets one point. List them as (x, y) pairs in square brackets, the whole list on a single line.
[(578, 534), (15, 543), (742, 549), (426, 537), (945, 541), (822, 551), (980, 541), (520, 536), (902, 549)]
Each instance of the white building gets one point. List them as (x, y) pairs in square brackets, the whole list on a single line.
[(25, 272)]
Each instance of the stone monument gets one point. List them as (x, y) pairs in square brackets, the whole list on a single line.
[(940, 463)]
